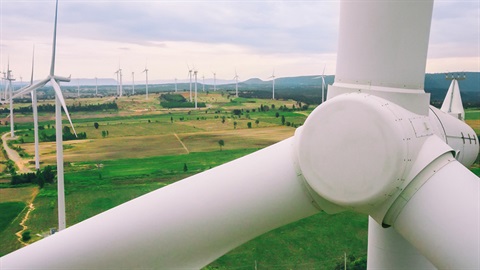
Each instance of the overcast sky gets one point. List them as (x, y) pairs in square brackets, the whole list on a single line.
[(251, 37)]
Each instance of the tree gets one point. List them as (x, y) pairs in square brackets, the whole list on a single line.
[(277, 114), (221, 143), (257, 122), (235, 124), (171, 119), (185, 168), (249, 124), (96, 125), (104, 133), (223, 119), (283, 120)]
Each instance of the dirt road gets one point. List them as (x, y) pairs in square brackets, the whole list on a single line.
[(14, 156)]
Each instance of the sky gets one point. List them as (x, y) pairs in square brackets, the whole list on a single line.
[(252, 38)]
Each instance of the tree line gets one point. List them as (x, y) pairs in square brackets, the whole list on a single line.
[(73, 108), (40, 177)]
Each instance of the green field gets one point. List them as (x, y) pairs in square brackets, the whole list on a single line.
[(9, 219)]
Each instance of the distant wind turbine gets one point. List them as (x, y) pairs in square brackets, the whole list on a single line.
[(214, 81), (323, 82), (96, 86), (203, 83), (195, 72), (273, 84), (190, 79), (10, 92), (146, 81), (133, 83), (118, 80), (175, 85), (236, 83)]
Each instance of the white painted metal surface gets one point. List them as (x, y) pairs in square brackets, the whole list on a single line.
[(453, 102), (389, 250), (442, 219)]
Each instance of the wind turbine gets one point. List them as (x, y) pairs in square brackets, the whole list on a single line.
[(323, 83), (120, 89), (203, 83), (117, 72), (214, 81), (190, 79), (273, 84), (195, 72), (236, 83), (10, 92), (133, 83), (146, 81), (400, 171), (35, 112), (59, 103), (78, 88), (175, 85)]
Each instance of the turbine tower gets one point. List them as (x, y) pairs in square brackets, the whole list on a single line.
[(214, 81), (190, 79), (10, 92), (133, 83), (203, 83), (118, 82), (427, 198), (78, 88), (273, 84), (175, 85), (146, 81), (195, 72), (236, 83), (120, 89)]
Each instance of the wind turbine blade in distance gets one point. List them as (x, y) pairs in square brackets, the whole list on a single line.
[(227, 205), (58, 93), (29, 88)]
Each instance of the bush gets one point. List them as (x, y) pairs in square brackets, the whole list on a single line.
[(26, 236)]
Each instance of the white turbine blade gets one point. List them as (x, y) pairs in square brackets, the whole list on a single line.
[(442, 219), (58, 93), (61, 79), (185, 225), (30, 88), (33, 64), (54, 45), (389, 250)]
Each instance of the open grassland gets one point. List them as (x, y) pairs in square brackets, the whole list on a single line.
[(472, 118), (12, 210), (10, 216), (316, 242)]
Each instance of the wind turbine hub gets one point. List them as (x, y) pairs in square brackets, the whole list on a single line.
[(354, 150)]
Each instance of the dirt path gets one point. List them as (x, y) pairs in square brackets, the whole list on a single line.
[(13, 155), (31, 207), (184, 147)]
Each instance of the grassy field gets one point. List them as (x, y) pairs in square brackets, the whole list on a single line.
[(147, 147)]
